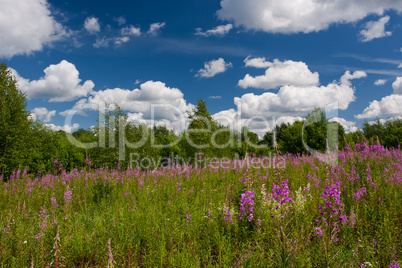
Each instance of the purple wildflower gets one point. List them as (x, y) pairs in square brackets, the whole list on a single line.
[(247, 205), (54, 202), (68, 195), (318, 231), (188, 218), (394, 264)]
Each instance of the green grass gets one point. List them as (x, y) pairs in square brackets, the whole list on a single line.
[(146, 217)]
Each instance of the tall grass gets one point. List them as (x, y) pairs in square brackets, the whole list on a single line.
[(306, 214)]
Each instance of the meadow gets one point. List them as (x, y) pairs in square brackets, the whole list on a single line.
[(304, 213)]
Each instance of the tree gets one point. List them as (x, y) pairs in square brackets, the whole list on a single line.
[(200, 131), (14, 124)]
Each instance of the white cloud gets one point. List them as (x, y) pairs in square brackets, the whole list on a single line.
[(102, 42), (66, 128), (220, 30), (289, 16), (349, 126), (43, 114), (26, 26), (150, 94), (279, 74), (257, 62), (375, 29), (387, 106), (154, 28), (263, 112), (383, 121), (78, 112), (298, 100), (131, 31), (380, 82), (91, 24), (213, 68), (397, 86), (215, 97), (125, 36), (233, 119), (345, 79), (60, 83), (121, 40), (121, 20)]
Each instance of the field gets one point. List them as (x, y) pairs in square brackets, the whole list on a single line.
[(302, 213)]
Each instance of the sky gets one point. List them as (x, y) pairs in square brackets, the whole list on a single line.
[(256, 63)]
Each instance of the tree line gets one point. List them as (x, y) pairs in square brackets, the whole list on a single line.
[(30, 145)]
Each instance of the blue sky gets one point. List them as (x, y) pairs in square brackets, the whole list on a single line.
[(249, 59)]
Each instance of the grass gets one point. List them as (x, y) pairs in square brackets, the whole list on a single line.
[(189, 216)]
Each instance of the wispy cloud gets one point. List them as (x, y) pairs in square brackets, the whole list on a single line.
[(369, 59)]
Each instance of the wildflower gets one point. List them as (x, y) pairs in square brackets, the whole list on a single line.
[(281, 194), (318, 231), (228, 216), (247, 205), (54, 202), (394, 264), (67, 196), (188, 218)]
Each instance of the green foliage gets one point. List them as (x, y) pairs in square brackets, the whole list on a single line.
[(315, 132), (101, 190), (14, 124), (388, 134)]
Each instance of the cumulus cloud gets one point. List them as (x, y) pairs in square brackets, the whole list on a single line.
[(26, 26), (131, 31), (261, 113), (213, 67), (60, 83), (220, 30), (349, 126), (298, 100), (279, 74), (375, 29), (167, 102), (102, 42), (257, 62), (66, 128), (288, 16), (121, 40), (43, 114), (345, 79), (234, 120), (387, 106), (154, 28), (397, 86), (380, 82), (91, 24), (383, 121)]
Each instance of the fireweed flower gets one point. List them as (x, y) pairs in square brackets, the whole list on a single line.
[(54, 202), (188, 218), (247, 205), (281, 194), (359, 194), (318, 231), (68, 195), (227, 216), (394, 264)]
